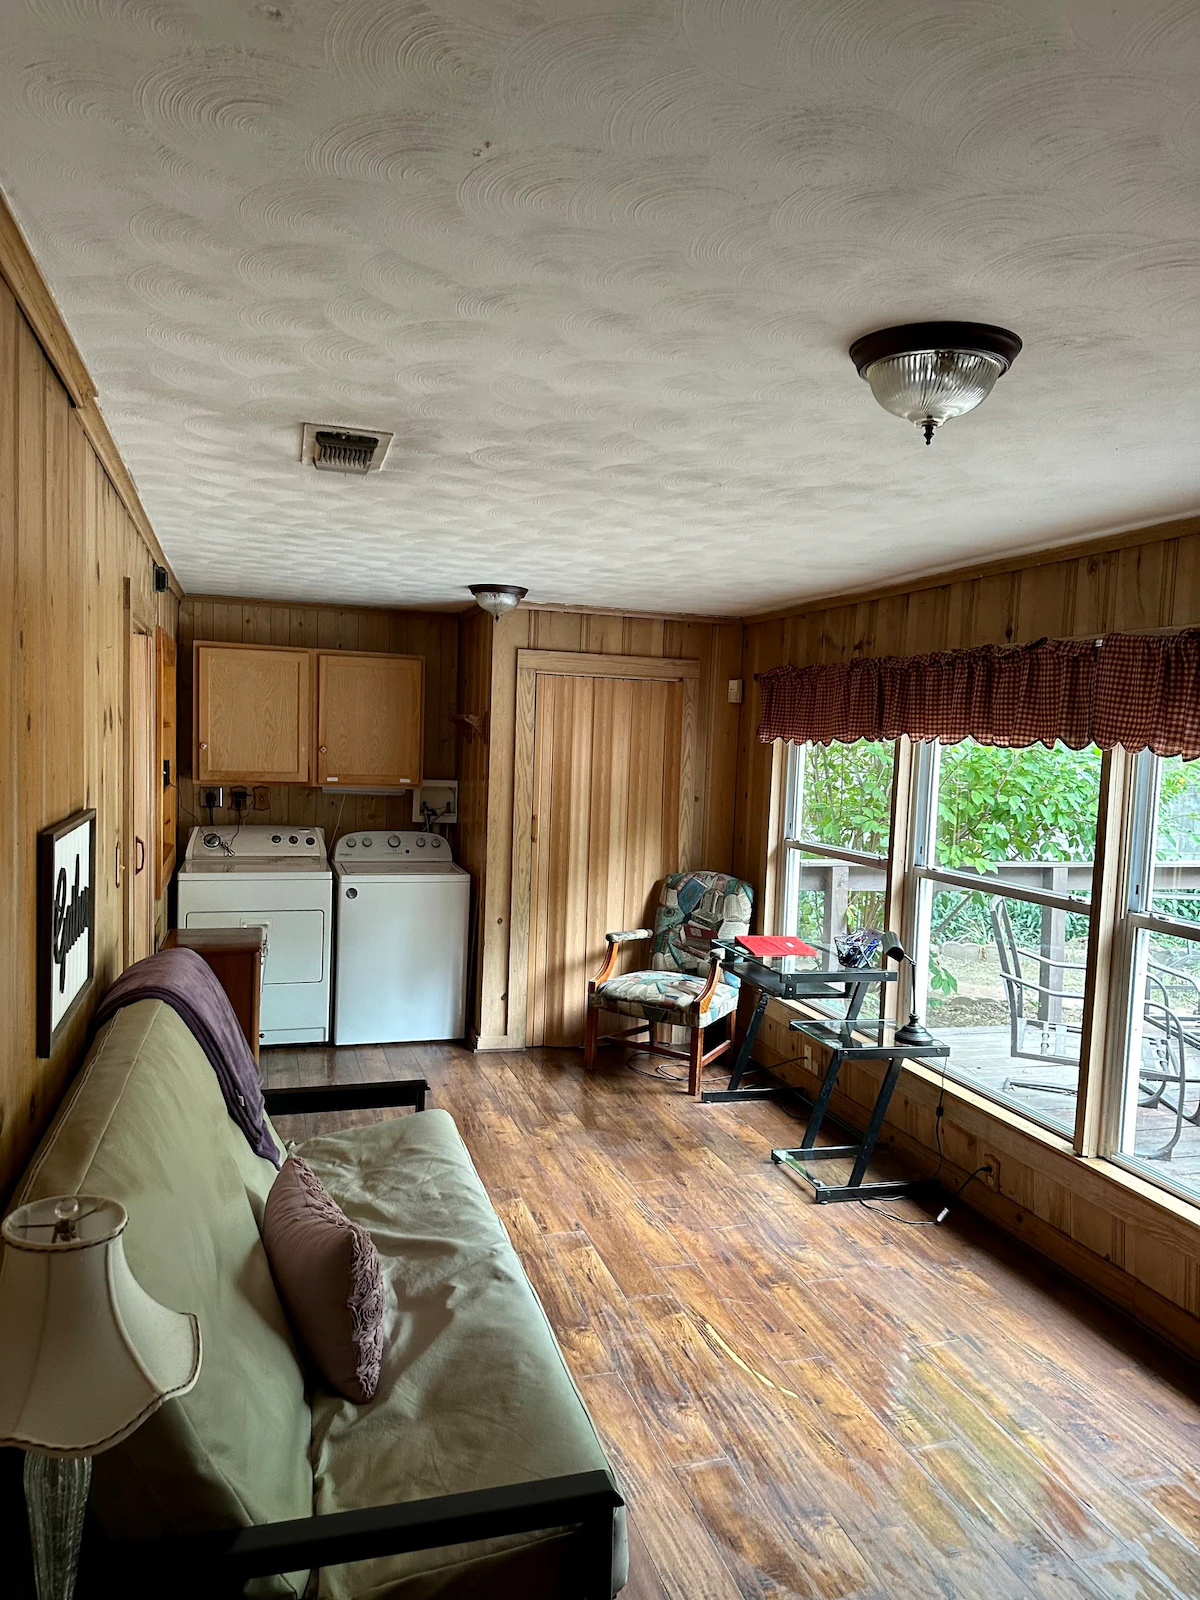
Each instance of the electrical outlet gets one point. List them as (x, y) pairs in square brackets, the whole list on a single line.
[(210, 798), (262, 797), (990, 1179), (240, 798)]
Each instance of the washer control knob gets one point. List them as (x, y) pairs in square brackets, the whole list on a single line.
[(421, 842), (276, 838), (394, 841), (367, 842), (292, 839), (310, 840), (350, 843)]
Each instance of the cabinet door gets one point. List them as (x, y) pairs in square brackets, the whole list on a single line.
[(370, 717), (253, 714)]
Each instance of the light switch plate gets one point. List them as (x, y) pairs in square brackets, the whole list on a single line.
[(735, 691)]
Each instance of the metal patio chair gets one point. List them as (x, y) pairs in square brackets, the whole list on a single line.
[(1169, 1031)]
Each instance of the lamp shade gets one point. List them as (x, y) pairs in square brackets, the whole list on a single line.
[(87, 1353)]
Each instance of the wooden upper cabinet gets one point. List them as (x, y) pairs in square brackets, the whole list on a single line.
[(253, 714), (370, 719)]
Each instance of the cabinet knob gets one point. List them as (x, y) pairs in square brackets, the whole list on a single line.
[(203, 746), (324, 749)]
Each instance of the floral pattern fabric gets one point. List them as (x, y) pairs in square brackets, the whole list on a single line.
[(665, 997), (694, 908)]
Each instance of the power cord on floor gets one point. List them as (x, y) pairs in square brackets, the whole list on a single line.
[(682, 1077), (926, 1222)]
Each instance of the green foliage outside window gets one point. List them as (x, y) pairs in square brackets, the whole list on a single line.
[(995, 807), (848, 795)]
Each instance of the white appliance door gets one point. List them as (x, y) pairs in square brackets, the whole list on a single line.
[(294, 995), (295, 940), (401, 959)]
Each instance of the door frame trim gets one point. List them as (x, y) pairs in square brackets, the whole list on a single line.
[(582, 664)]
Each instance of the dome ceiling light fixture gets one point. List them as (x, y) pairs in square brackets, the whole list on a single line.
[(927, 372), (497, 598)]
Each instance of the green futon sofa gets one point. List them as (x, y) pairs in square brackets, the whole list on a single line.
[(477, 1449)]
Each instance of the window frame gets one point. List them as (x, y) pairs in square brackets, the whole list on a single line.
[(1117, 910), (1133, 919), (795, 847), (921, 877)]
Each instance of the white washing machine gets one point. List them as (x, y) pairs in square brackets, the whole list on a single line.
[(277, 879), (402, 913)]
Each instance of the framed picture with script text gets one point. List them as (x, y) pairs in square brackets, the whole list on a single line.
[(66, 917)]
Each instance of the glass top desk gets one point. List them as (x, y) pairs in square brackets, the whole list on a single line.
[(817, 977), (863, 1041)]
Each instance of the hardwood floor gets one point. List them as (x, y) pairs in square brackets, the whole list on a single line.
[(814, 1401)]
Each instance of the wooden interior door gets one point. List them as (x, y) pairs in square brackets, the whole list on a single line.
[(607, 826), (370, 715), (144, 782), (253, 714)]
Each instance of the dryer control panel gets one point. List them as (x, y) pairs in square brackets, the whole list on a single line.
[(386, 844), (282, 841)]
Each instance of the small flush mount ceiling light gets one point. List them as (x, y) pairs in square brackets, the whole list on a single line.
[(927, 372), (497, 598)]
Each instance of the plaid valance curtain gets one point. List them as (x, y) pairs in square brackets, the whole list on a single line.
[(1136, 690)]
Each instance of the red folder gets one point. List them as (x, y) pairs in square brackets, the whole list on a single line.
[(774, 944)]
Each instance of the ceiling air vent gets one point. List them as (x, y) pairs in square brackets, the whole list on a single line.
[(332, 449)]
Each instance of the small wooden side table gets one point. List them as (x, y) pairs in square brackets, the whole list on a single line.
[(236, 956)]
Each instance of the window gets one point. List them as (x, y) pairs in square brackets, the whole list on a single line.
[(994, 869), (1160, 1089), (837, 826), (1005, 846)]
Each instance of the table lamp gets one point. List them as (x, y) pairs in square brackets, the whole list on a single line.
[(88, 1356), (914, 1033)]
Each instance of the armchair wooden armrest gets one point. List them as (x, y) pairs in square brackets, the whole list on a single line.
[(714, 977), (610, 955)]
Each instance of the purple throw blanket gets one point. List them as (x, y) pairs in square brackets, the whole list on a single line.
[(184, 981)]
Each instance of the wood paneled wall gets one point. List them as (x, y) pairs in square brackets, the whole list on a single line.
[(76, 575), (433, 635), (1132, 1243), (718, 648)]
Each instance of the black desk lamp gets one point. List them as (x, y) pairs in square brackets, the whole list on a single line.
[(914, 1032)]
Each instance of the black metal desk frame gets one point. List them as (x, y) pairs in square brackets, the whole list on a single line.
[(846, 1047), (830, 983)]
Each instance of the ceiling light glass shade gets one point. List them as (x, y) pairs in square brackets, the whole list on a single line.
[(497, 598), (929, 372), (87, 1353)]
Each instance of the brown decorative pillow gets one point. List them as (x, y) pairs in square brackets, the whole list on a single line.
[(329, 1278)]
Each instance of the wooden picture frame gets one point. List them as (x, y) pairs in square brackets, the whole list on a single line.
[(66, 917)]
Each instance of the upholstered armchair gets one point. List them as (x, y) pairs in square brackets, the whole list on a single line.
[(685, 987)]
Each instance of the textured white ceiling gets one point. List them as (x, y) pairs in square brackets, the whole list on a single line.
[(597, 268)]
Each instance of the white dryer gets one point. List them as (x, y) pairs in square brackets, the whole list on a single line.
[(402, 915), (277, 879)]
